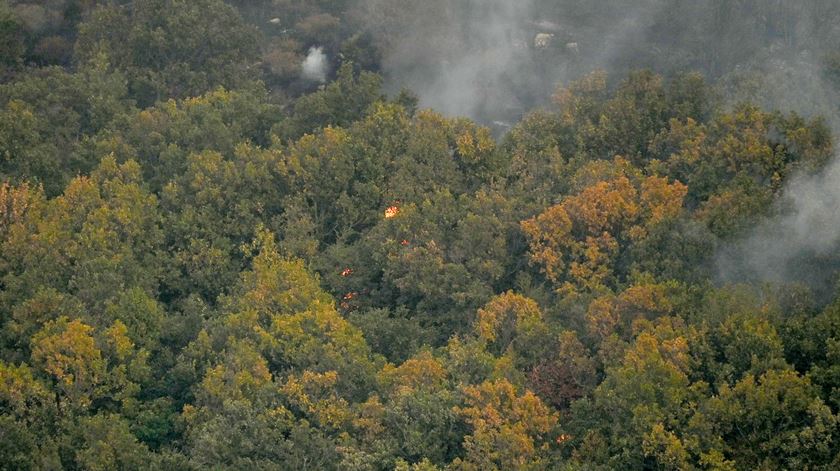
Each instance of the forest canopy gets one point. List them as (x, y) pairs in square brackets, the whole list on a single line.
[(231, 239)]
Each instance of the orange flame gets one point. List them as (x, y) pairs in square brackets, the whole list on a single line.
[(391, 211)]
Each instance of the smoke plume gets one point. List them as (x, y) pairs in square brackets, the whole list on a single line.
[(315, 66), (800, 244), (494, 60)]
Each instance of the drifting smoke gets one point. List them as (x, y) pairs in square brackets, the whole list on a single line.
[(315, 66), (494, 60), (461, 57), (799, 245), (498, 59)]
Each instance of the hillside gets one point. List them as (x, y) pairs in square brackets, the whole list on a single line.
[(417, 236)]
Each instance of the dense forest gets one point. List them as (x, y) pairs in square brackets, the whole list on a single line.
[(419, 235)]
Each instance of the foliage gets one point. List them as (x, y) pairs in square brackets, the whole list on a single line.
[(207, 261)]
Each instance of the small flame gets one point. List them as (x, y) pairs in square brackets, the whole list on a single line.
[(391, 211), (349, 296), (404, 243), (347, 272)]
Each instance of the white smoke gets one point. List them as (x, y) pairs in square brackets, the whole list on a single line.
[(815, 221), (799, 245), (495, 60), (315, 66), (462, 57)]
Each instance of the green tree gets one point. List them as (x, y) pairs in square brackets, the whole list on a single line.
[(171, 48)]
